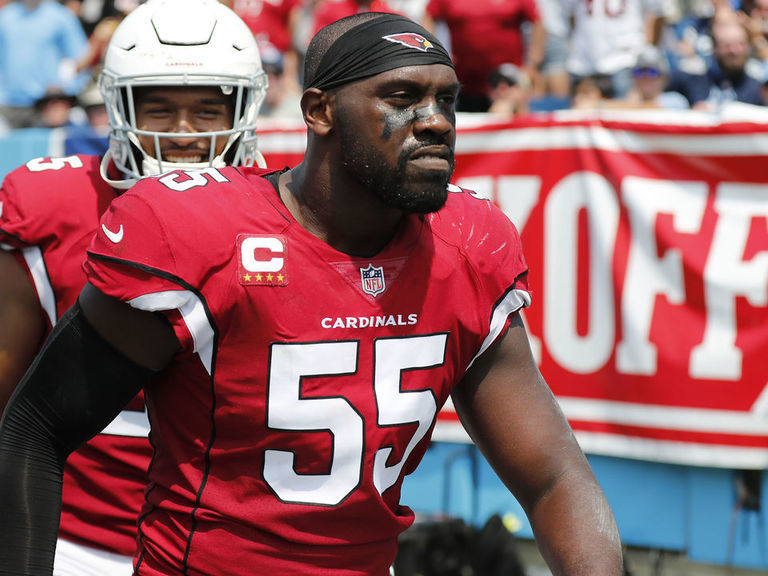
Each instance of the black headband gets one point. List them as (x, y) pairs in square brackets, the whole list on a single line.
[(377, 45)]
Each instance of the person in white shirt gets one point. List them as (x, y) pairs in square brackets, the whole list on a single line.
[(608, 35)]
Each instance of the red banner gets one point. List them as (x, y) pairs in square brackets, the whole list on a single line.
[(647, 241)]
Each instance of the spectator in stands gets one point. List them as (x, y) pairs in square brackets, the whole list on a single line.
[(755, 19), (302, 27), (309, 16), (591, 92), (40, 42), (483, 35), (271, 23), (756, 13), (607, 37), (689, 37), (553, 80), (726, 79), (92, 103), (327, 11), (54, 109), (510, 91), (282, 100), (414, 9), (90, 134), (92, 12), (93, 58), (651, 75)]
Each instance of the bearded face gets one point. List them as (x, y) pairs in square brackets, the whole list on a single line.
[(397, 134)]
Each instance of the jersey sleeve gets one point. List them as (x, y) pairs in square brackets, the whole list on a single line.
[(46, 198), (491, 247), (131, 259), (502, 270), (497, 256), (18, 221)]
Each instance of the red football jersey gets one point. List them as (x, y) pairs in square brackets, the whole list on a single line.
[(309, 381), (268, 20), (328, 11), (50, 212), (484, 34)]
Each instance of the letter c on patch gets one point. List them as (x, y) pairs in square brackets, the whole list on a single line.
[(262, 254)]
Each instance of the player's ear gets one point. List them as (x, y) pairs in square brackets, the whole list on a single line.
[(317, 110)]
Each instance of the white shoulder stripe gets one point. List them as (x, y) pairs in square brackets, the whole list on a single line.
[(33, 256), (192, 311), (513, 301)]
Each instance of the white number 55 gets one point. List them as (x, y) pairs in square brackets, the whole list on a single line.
[(288, 410)]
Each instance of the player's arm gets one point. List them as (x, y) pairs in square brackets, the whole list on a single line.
[(22, 324), (514, 419), (97, 358), (145, 338)]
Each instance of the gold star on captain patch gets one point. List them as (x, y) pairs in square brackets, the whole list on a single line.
[(247, 277), (258, 278), (269, 277), (280, 277)]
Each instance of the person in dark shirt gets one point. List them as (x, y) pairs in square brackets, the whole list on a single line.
[(726, 79)]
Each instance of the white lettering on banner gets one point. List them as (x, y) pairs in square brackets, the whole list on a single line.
[(592, 192), (727, 275), (248, 251), (517, 196), (649, 275)]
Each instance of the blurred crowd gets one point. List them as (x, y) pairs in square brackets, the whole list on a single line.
[(513, 57)]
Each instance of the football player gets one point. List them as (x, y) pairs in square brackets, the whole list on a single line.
[(183, 84), (308, 323)]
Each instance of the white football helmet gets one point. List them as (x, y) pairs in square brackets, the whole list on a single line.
[(181, 43)]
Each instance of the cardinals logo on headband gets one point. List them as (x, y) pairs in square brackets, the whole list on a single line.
[(410, 39)]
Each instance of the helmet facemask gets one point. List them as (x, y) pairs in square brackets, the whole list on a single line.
[(133, 160)]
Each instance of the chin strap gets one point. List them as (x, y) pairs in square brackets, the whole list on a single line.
[(76, 385), (123, 184)]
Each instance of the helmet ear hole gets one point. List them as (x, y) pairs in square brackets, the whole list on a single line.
[(181, 43)]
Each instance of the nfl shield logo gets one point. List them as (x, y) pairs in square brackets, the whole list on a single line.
[(373, 279)]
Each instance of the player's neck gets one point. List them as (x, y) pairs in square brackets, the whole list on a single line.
[(354, 223)]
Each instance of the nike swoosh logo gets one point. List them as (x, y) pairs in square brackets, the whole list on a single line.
[(115, 237)]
